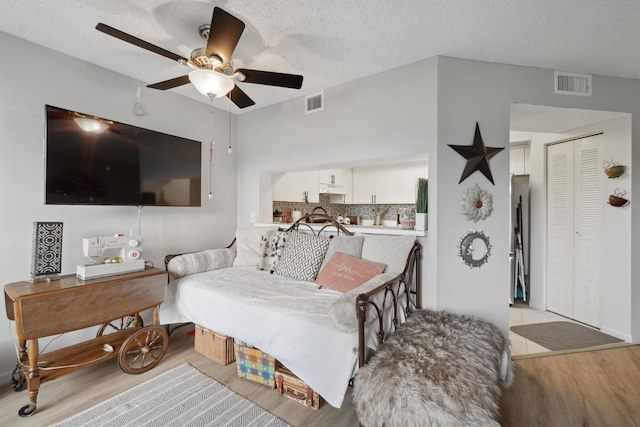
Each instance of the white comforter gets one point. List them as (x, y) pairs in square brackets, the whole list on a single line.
[(285, 318)]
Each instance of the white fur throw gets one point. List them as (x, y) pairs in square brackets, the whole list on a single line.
[(437, 369), (197, 262), (343, 310)]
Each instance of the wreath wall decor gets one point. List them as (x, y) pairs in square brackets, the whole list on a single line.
[(476, 203), (474, 248)]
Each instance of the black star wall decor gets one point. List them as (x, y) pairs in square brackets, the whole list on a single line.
[(477, 155)]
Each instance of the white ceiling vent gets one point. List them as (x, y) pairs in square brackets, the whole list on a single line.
[(571, 84), (314, 103)]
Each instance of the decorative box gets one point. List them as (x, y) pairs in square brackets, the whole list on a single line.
[(255, 365), (296, 389), (46, 260), (215, 346)]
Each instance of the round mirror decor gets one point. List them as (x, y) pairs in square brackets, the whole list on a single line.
[(474, 248)]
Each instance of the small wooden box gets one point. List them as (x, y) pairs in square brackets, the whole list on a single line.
[(215, 346), (255, 365), (296, 389)]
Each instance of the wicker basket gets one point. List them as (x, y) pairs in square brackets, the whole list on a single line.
[(215, 346), (296, 389)]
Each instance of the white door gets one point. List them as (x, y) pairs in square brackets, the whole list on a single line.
[(574, 211), (560, 228), (587, 230)]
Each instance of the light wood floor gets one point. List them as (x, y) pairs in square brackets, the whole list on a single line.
[(585, 388), (67, 395), (597, 388)]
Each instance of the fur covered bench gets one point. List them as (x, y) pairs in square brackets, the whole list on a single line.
[(437, 369)]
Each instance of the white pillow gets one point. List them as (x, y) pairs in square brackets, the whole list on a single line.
[(350, 245), (390, 250), (197, 262), (248, 245), (271, 249)]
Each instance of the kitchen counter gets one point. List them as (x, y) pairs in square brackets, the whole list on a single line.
[(367, 229)]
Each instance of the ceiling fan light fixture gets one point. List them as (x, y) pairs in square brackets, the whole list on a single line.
[(211, 83)]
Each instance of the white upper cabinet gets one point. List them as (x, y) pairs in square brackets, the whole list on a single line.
[(291, 186), (519, 160), (279, 186), (408, 174), (363, 185), (392, 183), (387, 184)]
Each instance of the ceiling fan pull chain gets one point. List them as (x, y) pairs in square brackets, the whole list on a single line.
[(211, 143)]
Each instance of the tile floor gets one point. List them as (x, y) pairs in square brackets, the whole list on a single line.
[(522, 314)]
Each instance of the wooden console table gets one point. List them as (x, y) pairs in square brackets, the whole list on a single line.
[(42, 309)]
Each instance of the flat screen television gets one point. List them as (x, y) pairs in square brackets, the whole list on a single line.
[(94, 161)]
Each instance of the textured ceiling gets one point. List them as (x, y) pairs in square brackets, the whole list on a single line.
[(331, 42)]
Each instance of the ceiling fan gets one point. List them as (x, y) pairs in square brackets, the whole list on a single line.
[(213, 73)]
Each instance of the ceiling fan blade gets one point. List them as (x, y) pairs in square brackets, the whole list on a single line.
[(238, 97), (138, 42), (171, 83), (224, 34), (293, 81)]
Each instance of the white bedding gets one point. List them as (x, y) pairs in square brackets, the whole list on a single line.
[(285, 318)]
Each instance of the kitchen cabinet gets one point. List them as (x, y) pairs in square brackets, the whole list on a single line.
[(290, 186), (391, 184), (375, 184), (336, 182), (408, 174), (519, 160), (335, 176)]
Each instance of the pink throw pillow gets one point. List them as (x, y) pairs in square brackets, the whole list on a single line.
[(344, 272)]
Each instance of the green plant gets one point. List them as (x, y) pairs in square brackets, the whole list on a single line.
[(422, 197)]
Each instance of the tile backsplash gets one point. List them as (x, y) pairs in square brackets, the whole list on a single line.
[(363, 211)]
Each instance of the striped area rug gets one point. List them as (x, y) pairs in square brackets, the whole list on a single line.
[(183, 396)]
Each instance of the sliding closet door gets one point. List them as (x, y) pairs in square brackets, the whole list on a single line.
[(574, 203)]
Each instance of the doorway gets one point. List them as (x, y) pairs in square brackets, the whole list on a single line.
[(536, 126)]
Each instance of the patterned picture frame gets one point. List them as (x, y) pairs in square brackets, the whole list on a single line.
[(47, 249)]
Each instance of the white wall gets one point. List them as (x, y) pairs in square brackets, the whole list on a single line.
[(36, 76), (470, 91), (394, 113), (380, 117)]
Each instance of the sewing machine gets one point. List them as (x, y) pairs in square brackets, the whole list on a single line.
[(111, 255)]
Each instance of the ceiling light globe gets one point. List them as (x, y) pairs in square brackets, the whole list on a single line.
[(211, 83)]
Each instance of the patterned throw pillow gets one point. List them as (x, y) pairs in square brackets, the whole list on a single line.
[(345, 272), (247, 245), (271, 249), (302, 256)]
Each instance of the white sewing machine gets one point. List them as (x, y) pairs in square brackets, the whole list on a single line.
[(111, 255)]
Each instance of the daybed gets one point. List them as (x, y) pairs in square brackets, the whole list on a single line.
[(273, 290)]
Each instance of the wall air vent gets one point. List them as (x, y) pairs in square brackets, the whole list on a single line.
[(571, 84), (314, 103)]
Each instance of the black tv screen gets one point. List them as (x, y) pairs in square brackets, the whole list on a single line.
[(95, 161)]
